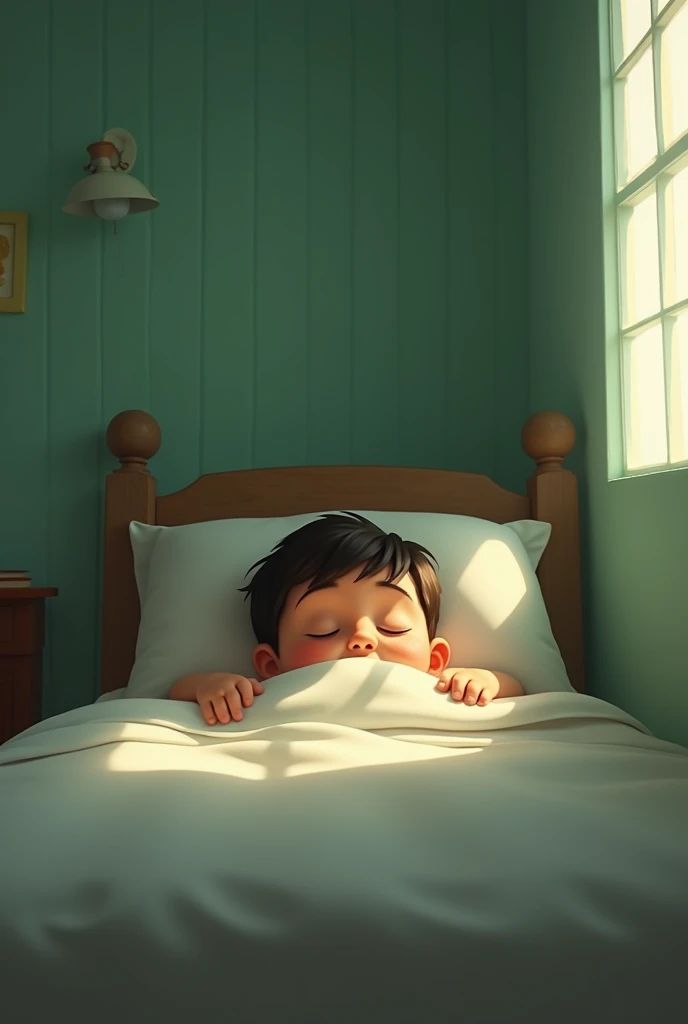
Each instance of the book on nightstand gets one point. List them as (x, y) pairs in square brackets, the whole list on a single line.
[(15, 578)]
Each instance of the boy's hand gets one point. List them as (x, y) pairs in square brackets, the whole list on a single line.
[(223, 695), (470, 685)]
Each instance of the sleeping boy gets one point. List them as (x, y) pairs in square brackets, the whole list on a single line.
[(340, 587)]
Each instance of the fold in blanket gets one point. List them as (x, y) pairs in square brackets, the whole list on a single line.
[(380, 698)]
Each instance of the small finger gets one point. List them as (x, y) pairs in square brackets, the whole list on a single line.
[(234, 704), (458, 689), (472, 692), (257, 686), (246, 692), (220, 708), (483, 699), (208, 712)]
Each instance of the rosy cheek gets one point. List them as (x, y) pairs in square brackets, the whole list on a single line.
[(309, 652), (413, 651)]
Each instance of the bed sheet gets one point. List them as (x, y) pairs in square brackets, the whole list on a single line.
[(360, 847)]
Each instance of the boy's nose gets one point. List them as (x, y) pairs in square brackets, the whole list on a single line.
[(362, 641)]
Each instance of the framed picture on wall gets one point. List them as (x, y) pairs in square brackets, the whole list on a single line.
[(13, 239)]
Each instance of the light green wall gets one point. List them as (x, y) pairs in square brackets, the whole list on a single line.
[(635, 538), (337, 271)]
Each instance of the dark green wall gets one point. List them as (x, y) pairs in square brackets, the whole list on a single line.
[(337, 271), (635, 539)]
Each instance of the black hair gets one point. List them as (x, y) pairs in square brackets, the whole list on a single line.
[(326, 549)]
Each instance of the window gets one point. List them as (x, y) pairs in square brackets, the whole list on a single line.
[(649, 53)]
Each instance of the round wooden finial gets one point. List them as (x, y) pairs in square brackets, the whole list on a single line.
[(133, 437), (548, 437)]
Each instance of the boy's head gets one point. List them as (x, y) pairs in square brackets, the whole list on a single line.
[(340, 587)]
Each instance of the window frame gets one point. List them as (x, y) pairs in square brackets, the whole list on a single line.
[(655, 175)]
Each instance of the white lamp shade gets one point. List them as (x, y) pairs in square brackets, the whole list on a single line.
[(107, 183)]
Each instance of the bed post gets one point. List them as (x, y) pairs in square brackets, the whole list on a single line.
[(133, 437), (547, 438)]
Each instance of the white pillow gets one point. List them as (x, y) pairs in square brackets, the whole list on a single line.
[(193, 618)]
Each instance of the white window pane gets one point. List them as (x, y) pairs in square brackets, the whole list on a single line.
[(679, 388), (639, 116), (645, 411), (676, 260), (635, 21), (639, 260), (675, 76)]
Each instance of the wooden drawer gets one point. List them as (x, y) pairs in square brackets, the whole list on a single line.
[(22, 618), (6, 706), (20, 694), (21, 627)]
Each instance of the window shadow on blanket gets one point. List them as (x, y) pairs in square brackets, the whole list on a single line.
[(362, 730)]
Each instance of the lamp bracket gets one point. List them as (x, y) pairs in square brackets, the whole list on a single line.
[(124, 143)]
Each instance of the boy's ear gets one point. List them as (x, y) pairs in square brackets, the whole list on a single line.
[(266, 662), (440, 653)]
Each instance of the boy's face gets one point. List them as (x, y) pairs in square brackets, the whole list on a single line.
[(370, 618)]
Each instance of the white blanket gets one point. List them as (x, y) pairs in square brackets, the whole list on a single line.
[(359, 848)]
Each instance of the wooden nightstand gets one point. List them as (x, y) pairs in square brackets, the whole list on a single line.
[(22, 616)]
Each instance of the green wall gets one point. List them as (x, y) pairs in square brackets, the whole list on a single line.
[(337, 271), (634, 531)]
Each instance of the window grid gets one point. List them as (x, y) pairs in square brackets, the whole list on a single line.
[(654, 175)]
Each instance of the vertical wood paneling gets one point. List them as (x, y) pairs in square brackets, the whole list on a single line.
[(422, 231), (229, 244), (336, 271), (23, 371), (125, 373), (470, 363), (74, 364), (511, 285), (330, 221), (177, 129), (126, 256), (281, 337), (329, 230), (376, 402)]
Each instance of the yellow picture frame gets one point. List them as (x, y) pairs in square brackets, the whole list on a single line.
[(14, 231)]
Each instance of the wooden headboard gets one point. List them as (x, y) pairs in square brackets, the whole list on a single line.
[(134, 437)]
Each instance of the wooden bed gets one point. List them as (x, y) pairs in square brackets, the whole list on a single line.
[(134, 437)]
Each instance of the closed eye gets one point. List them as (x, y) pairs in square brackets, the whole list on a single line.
[(387, 632)]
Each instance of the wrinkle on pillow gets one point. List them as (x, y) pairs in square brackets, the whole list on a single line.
[(193, 618)]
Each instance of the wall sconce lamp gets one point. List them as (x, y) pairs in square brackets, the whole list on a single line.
[(110, 191)]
